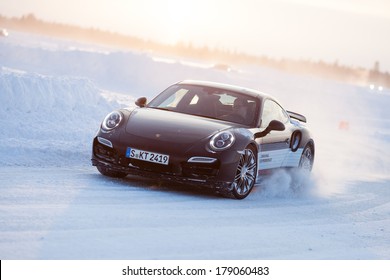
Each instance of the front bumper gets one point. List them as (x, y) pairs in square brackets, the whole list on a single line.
[(217, 174)]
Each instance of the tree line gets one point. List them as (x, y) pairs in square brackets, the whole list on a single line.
[(335, 71)]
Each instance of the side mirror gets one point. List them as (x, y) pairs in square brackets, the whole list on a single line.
[(273, 125), (141, 102)]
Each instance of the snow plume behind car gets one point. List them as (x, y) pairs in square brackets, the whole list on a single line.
[(288, 184)]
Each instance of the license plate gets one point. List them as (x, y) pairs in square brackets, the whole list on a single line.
[(147, 156)]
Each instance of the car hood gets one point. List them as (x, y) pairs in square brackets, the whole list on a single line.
[(173, 127)]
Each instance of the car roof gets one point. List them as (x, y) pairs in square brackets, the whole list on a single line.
[(243, 90)]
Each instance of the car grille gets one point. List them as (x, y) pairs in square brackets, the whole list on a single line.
[(153, 167), (106, 153), (200, 170)]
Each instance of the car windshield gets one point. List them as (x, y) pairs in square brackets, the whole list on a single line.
[(208, 102)]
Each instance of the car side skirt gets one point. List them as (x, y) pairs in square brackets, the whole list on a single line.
[(279, 158)]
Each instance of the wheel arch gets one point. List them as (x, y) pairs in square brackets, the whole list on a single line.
[(255, 147), (295, 146)]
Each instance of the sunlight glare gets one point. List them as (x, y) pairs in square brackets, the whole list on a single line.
[(179, 18)]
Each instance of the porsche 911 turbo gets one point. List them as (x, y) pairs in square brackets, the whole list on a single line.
[(214, 135)]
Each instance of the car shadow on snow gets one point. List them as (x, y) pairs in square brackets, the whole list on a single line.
[(162, 186), (280, 184)]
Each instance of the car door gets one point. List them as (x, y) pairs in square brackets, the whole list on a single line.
[(275, 145)]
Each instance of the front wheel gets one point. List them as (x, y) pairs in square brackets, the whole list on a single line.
[(245, 175)]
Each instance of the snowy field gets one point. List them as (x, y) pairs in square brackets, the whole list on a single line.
[(55, 205)]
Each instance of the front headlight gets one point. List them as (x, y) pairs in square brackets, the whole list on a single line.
[(222, 141), (112, 120)]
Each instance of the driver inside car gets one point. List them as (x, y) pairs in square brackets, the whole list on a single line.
[(240, 112)]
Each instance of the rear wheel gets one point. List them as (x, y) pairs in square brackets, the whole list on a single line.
[(307, 159), (246, 174), (110, 173)]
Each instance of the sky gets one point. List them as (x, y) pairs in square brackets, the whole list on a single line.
[(351, 32)]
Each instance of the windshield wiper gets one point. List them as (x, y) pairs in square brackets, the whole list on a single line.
[(162, 108), (206, 116)]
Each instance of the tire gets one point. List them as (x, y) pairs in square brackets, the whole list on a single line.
[(307, 159), (246, 173), (110, 173)]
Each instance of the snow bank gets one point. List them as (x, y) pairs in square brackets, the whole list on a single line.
[(133, 73), (46, 119)]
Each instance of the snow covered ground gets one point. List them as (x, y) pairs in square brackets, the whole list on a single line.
[(55, 205)]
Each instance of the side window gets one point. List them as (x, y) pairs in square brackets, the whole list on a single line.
[(272, 111)]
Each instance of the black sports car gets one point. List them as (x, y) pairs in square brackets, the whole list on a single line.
[(203, 133)]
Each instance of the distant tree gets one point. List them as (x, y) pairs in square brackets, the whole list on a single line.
[(29, 17), (376, 66)]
